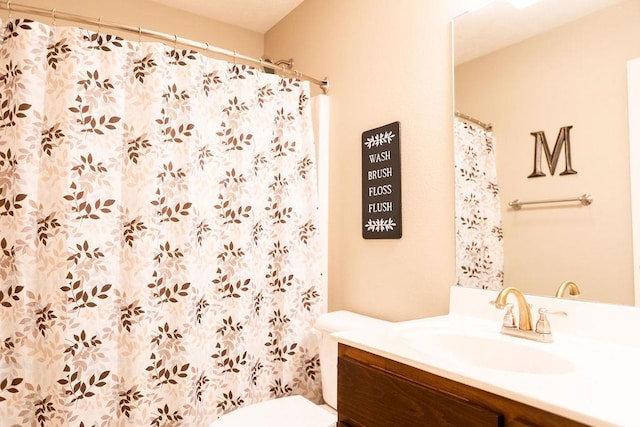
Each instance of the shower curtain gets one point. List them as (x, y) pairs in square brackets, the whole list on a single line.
[(159, 247), (479, 246)]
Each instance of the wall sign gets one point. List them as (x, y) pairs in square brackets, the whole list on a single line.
[(381, 195), (541, 146)]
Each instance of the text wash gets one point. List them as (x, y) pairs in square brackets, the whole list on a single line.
[(380, 157)]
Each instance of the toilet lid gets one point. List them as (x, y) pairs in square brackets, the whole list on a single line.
[(294, 411)]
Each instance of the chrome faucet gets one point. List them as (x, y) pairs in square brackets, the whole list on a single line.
[(524, 329), (572, 287)]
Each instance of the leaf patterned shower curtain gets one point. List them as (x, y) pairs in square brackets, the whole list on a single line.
[(159, 253), (479, 245)]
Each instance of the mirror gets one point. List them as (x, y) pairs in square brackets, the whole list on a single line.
[(552, 65)]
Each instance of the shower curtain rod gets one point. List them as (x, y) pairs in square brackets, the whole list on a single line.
[(53, 13), (485, 126)]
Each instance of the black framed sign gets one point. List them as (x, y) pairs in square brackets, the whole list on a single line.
[(381, 195)]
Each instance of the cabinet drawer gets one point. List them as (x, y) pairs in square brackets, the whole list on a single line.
[(369, 396)]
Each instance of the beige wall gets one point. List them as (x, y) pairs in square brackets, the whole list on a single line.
[(154, 16), (386, 61), (575, 76)]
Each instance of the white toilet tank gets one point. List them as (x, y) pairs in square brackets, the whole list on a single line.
[(327, 324)]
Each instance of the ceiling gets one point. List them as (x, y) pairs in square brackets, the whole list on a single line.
[(254, 15), (499, 23)]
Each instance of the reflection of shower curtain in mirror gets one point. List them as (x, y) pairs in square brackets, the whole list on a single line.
[(479, 246)]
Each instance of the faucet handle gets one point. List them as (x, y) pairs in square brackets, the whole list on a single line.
[(552, 313), (509, 320), (543, 326)]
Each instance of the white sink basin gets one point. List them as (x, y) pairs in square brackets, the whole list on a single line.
[(497, 352), (583, 375)]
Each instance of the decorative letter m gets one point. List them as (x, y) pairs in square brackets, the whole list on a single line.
[(552, 157)]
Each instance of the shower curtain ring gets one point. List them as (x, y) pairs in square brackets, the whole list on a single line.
[(139, 34), (53, 14), (175, 42), (9, 8), (99, 24)]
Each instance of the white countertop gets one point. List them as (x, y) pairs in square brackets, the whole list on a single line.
[(601, 389)]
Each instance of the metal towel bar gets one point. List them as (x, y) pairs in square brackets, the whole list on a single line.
[(585, 199)]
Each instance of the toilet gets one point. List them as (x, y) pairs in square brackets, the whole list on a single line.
[(297, 411)]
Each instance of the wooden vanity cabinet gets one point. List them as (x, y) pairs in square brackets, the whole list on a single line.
[(374, 391)]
